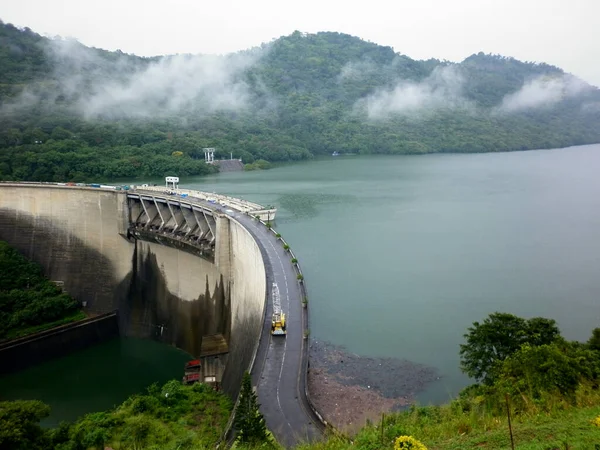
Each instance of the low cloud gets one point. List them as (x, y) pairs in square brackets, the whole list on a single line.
[(541, 92), (591, 107), (119, 85), (440, 90), (356, 70), (171, 84)]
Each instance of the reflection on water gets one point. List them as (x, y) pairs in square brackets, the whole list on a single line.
[(95, 379)]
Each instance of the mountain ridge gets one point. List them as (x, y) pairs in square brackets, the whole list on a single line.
[(294, 97)]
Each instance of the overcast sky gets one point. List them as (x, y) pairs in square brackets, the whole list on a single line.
[(564, 33)]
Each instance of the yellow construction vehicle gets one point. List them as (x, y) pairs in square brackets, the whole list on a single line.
[(278, 320)]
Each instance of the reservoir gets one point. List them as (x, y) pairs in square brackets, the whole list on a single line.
[(401, 255)]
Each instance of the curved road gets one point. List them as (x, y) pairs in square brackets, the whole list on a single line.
[(278, 370)]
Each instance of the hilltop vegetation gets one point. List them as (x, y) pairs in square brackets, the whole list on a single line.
[(72, 113), (29, 302), (171, 417)]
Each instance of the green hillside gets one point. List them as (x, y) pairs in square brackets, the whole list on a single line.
[(69, 112)]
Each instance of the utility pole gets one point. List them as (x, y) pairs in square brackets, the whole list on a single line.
[(512, 442)]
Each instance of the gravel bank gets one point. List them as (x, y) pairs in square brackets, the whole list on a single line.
[(348, 389)]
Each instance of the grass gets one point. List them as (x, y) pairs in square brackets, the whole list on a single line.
[(557, 424), (167, 418), (20, 332)]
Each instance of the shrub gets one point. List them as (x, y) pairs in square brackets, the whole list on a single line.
[(408, 442), (144, 404)]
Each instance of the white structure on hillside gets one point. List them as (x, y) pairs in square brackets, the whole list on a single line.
[(209, 155)]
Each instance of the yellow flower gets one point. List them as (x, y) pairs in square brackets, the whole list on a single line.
[(408, 442), (596, 421)]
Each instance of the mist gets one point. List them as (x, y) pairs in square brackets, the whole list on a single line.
[(356, 70), (442, 89), (541, 92), (123, 85)]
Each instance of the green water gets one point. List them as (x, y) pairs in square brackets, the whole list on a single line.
[(402, 253), (95, 379)]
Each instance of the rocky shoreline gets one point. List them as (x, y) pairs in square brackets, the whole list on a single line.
[(349, 389)]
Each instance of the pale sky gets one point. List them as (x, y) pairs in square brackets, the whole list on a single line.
[(565, 33)]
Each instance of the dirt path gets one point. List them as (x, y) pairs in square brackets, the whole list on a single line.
[(349, 389)]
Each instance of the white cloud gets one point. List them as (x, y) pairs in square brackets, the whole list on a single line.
[(440, 90), (356, 70), (542, 92), (128, 87), (172, 83)]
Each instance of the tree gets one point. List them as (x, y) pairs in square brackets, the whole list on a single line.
[(534, 370), (498, 337), (19, 425), (594, 341), (541, 331), (249, 422)]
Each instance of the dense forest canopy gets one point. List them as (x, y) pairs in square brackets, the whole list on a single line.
[(73, 113), (29, 302)]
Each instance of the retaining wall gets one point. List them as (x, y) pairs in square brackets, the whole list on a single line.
[(24, 352)]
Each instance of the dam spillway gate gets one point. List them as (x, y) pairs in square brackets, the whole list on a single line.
[(172, 222)]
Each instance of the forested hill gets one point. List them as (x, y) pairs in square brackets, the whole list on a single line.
[(69, 112)]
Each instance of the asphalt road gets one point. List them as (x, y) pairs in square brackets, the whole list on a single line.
[(278, 372), (278, 369)]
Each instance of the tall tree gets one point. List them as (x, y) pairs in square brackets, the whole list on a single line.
[(594, 341), (19, 425), (249, 421), (499, 336)]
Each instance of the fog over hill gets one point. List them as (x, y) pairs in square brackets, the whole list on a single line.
[(68, 111)]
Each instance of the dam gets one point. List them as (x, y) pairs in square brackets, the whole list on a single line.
[(183, 270)]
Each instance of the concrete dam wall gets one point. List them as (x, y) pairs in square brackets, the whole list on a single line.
[(82, 237)]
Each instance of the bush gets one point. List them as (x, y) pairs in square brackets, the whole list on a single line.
[(144, 404), (408, 442)]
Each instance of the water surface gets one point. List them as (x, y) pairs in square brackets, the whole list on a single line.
[(95, 379), (402, 253)]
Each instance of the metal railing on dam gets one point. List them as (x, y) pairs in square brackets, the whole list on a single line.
[(243, 206), (137, 251)]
